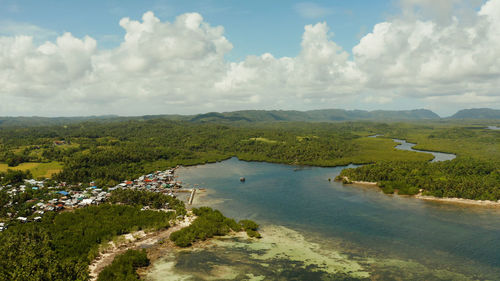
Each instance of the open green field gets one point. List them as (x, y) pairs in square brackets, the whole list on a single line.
[(464, 140), (38, 170), (263, 140)]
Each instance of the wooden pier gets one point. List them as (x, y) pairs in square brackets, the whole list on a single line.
[(191, 197)]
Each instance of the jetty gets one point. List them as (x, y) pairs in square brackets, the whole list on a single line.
[(191, 197)]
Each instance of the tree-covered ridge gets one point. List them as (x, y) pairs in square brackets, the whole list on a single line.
[(463, 178), (244, 115)]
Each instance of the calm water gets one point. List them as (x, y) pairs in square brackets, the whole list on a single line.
[(310, 221), (493, 128)]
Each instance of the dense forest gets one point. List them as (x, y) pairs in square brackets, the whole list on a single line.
[(464, 178), (111, 152)]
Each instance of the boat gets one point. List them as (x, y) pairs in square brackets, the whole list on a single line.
[(242, 179)]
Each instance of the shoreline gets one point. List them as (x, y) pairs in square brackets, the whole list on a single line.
[(456, 200), (452, 200)]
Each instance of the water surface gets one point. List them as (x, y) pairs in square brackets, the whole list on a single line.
[(318, 229)]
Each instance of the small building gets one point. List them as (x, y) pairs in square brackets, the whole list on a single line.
[(22, 219)]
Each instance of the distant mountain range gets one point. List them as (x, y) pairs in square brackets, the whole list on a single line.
[(324, 115)]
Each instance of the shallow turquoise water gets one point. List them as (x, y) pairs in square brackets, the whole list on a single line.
[(391, 237)]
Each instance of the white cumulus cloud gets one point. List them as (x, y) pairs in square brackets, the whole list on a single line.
[(180, 67), (421, 58)]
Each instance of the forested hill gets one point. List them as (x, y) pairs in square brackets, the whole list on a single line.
[(36, 121), (325, 115), (250, 116), (477, 113)]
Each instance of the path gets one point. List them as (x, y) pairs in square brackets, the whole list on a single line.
[(106, 258)]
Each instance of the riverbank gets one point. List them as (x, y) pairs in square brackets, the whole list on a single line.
[(134, 241), (488, 203)]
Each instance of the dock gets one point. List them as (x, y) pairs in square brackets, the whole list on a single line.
[(191, 197)]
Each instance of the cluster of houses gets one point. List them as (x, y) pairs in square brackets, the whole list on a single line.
[(66, 197), (161, 181)]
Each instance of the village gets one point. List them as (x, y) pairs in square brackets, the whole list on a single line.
[(64, 197)]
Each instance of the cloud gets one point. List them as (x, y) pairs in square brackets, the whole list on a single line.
[(310, 10), (322, 71), (422, 58), (180, 67)]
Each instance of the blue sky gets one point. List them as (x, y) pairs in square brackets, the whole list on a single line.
[(65, 58), (254, 27)]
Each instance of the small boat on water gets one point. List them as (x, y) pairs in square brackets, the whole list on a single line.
[(242, 179)]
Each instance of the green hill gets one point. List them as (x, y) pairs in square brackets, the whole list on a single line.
[(477, 113), (324, 115)]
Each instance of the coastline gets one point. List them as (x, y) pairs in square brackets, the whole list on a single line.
[(456, 200), (346, 180), (452, 200)]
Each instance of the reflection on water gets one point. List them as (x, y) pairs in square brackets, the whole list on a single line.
[(354, 231), (493, 128)]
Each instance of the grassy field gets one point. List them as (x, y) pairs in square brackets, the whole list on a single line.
[(38, 170), (464, 140), (263, 140), (382, 149)]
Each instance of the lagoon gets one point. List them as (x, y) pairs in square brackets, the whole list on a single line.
[(314, 228)]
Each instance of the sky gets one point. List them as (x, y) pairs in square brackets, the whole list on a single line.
[(79, 58)]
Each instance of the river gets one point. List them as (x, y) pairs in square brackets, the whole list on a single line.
[(315, 229), (438, 156)]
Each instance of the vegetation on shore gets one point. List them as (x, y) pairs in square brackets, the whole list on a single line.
[(124, 266), (462, 178), (210, 223)]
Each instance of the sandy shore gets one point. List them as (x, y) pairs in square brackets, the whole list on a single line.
[(364, 183), (360, 182), (438, 199), (460, 201), (133, 241)]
